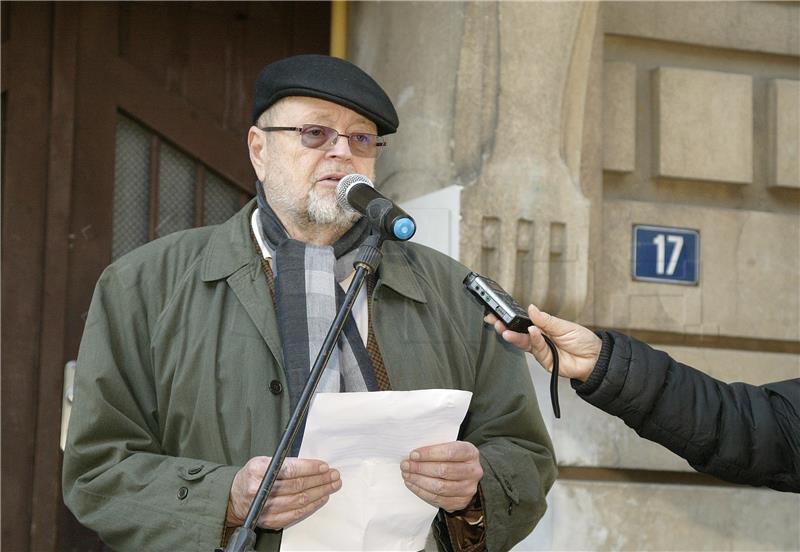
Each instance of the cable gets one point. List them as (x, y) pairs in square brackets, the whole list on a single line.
[(553, 377)]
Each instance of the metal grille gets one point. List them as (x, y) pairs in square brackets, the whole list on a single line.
[(221, 200), (180, 185), (131, 167), (176, 176)]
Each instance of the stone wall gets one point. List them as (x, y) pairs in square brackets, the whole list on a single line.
[(567, 124)]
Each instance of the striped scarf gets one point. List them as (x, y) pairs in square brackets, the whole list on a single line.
[(307, 298)]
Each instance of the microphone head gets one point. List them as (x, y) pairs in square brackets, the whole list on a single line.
[(346, 184)]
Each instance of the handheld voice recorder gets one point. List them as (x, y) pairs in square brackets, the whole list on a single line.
[(503, 306)]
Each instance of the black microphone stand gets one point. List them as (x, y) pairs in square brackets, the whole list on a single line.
[(367, 261)]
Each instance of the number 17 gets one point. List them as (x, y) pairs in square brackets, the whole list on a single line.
[(659, 240)]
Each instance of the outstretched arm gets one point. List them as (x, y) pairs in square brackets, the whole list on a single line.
[(738, 432)]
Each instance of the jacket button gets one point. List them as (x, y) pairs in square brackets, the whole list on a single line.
[(275, 387), (195, 470), (183, 492)]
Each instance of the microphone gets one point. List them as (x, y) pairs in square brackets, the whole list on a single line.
[(356, 193)]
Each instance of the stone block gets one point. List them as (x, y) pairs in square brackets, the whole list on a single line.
[(749, 274), (594, 515), (704, 125), (784, 133), (769, 27), (587, 437), (619, 116)]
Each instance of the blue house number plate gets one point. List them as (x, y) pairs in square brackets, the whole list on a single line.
[(668, 255)]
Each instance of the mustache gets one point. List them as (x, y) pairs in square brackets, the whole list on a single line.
[(331, 169), (344, 170)]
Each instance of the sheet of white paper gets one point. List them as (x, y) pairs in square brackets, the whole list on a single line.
[(365, 436)]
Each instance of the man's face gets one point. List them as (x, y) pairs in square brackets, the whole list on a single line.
[(300, 182)]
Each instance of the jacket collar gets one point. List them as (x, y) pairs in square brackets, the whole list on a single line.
[(230, 248)]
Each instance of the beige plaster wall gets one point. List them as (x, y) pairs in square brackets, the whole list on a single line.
[(749, 273), (567, 127), (643, 182), (503, 116), (767, 27), (706, 140), (588, 515)]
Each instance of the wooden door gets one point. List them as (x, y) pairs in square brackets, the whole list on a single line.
[(121, 122), (26, 56)]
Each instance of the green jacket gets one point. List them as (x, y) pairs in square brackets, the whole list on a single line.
[(172, 391)]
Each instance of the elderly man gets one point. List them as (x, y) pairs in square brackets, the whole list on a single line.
[(197, 346)]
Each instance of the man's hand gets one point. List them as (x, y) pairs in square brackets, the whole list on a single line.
[(578, 347), (445, 475), (302, 487)]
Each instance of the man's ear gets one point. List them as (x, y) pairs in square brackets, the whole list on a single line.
[(256, 145)]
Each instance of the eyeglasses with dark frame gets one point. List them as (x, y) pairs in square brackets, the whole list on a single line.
[(324, 138)]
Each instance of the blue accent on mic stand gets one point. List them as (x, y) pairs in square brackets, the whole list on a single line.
[(404, 228)]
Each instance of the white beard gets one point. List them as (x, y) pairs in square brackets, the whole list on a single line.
[(325, 209), (316, 208)]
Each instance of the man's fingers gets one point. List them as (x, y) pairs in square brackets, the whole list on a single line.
[(442, 487), (286, 502), (257, 466), (449, 504), (457, 451), (445, 475), (302, 467), (300, 484), (303, 486), (452, 471), (280, 520)]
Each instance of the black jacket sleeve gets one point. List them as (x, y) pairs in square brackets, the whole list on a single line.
[(738, 432)]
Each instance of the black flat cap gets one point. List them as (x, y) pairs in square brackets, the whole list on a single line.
[(327, 78)]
